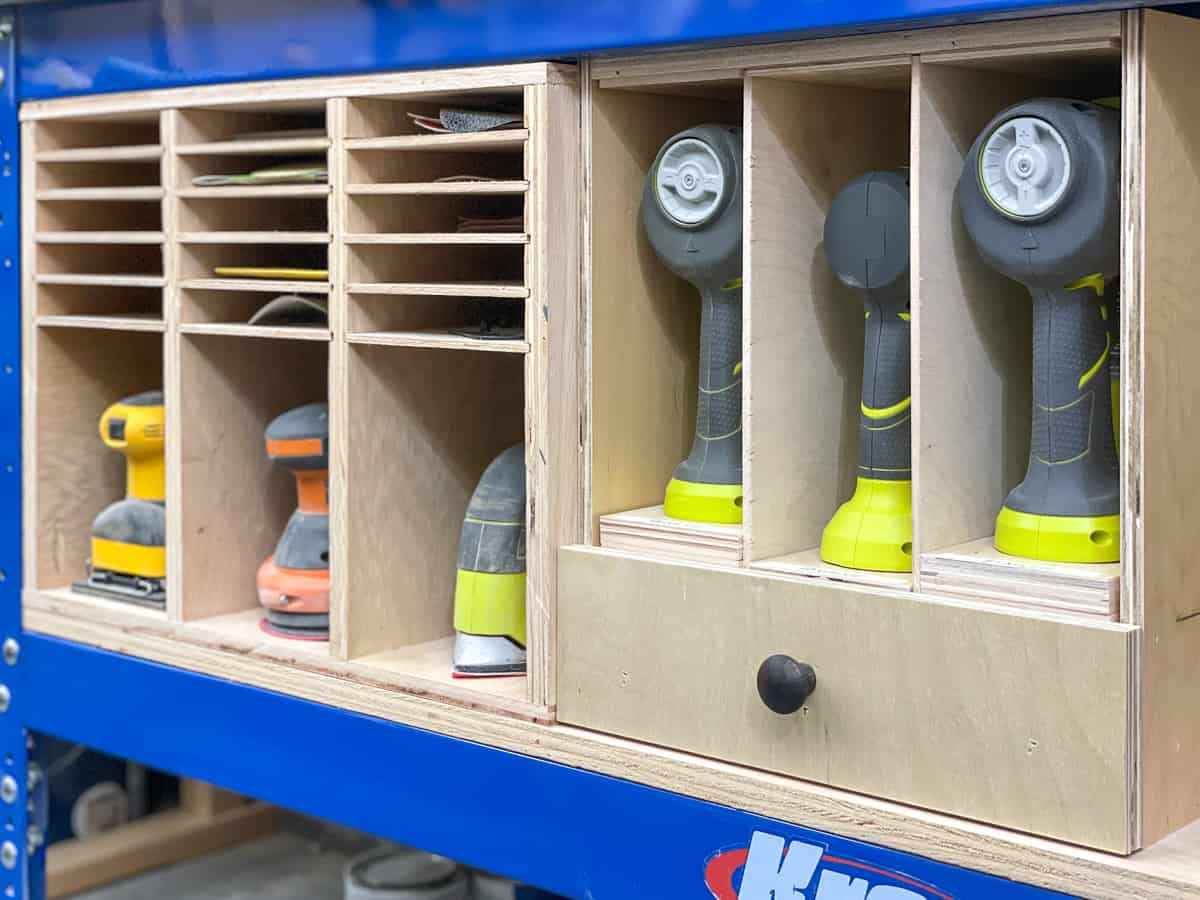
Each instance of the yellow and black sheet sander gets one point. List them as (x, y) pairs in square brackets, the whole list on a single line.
[(129, 538)]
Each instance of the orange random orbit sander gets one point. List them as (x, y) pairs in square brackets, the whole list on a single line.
[(293, 583)]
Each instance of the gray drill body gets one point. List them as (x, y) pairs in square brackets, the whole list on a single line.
[(866, 245), (493, 531), (1072, 458), (709, 256)]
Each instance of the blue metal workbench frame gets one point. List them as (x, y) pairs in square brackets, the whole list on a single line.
[(580, 834)]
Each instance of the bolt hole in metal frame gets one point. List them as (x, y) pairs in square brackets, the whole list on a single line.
[(630, 840)]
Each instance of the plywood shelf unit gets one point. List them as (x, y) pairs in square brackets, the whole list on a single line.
[(815, 114), (412, 427)]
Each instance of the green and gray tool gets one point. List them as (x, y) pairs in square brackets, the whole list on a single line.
[(866, 246), (1040, 196), (489, 596), (692, 213)]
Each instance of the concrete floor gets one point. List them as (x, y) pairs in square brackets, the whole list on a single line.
[(297, 863)]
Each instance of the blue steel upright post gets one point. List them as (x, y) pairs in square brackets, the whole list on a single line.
[(22, 787)]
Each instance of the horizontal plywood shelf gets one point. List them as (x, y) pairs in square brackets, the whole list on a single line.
[(99, 237), (433, 237), (978, 571), (435, 338), (512, 141), (258, 285), (499, 290), (436, 188), (422, 669), (239, 329), (123, 322), (255, 148), (90, 280), (648, 532), (250, 192), (131, 153), (253, 237), (101, 194), (808, 564)]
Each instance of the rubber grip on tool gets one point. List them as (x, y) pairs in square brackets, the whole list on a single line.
[(1072, 457), (716, 455), (885, 420)]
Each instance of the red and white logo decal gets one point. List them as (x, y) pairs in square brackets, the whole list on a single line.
[(771, 869)]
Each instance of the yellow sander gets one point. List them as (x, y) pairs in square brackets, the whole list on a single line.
[(129, 538)]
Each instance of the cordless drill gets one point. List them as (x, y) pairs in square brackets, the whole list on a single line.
[(866, 246), (692, 213), (293, 583), (1039, 194), (129, 538)]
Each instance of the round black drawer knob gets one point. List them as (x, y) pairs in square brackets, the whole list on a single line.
[(784, 684)]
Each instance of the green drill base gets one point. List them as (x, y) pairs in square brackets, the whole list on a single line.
[(694, 501), (873, 529), (1077, 539)]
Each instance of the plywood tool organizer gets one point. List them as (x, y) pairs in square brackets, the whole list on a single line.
[(1052, 699), (122, 293), (989, 713)]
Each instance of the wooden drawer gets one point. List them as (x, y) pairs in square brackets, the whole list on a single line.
[(1013, 719)]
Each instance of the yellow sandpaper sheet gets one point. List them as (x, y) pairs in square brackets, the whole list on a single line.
[(267, 272)]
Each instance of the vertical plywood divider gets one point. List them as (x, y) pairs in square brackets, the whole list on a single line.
[(971, 325), (337, 113), (29, 360), (553, 367), (169, 125), (804, 330), (1169, 371)]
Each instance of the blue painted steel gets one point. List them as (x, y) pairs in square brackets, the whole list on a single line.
[(132, 44), (577, 833), (24, 878)]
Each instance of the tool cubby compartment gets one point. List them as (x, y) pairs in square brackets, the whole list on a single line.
[(645, 323), (416, 411), (810, 131), (972, 361), (74, 375), (234, 502), (432, 420)]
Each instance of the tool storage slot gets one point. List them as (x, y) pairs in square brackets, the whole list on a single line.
[(254, 261), (433, 420), (475, 271), (473, 217), (265, 208), (235, 501), (811, 131), (973, 353), (645, 351), (208, 311), (72, 475), (452, 322)]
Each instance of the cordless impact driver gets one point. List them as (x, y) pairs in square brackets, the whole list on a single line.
[(866, 246), (692, 214), (1039, 194)]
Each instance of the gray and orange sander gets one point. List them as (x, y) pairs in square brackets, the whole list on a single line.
[(293, 583)]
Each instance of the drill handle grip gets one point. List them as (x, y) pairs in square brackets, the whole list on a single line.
[(885, 420), (1072, 456)]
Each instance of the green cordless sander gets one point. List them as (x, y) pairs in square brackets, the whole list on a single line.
[(489, 594), (1040, 197), (866, 245), (692, 213)]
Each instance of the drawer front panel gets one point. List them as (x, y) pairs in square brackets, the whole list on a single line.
[(1014, 720)]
